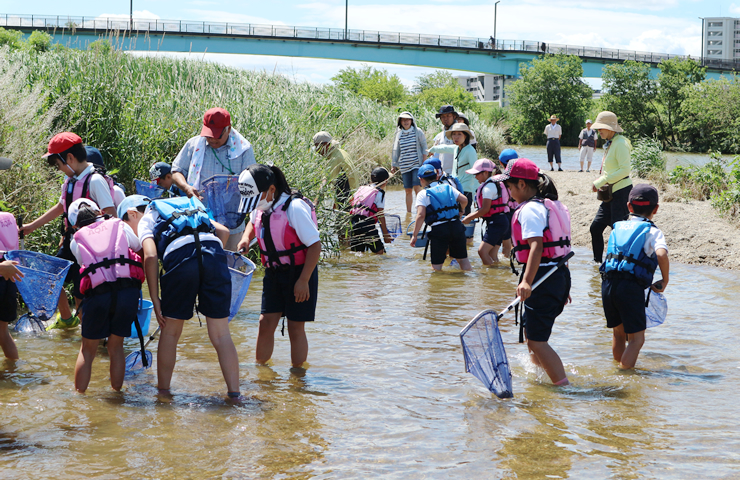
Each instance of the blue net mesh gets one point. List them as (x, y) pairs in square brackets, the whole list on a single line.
[(43, 280), (221, 196), (656, 309), (135, 362), (241, 270), (421, 238), (28, 323), (148, 189), (485, 356), (393, 224)]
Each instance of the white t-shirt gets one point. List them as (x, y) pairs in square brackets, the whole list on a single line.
[(300, 218), (380, 199), (146, 230), (423, 200), (98, 188), (447, 159), (533, 219), (490, 191), (133, 242), (119, 195), (654, 240), (553, 131)]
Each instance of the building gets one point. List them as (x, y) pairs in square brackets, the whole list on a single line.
[(721, 39), (487, 88)]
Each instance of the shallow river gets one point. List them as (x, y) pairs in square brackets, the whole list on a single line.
[(386, 393)]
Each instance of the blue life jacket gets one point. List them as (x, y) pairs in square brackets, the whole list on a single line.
[(179, 216), (625, 252), (443, 205), (451, 181)]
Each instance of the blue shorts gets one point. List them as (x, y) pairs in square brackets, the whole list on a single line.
[(411, 178), (498, 229), (624, 303), (510, 218), (278, 296), (110, 313), (8, 301), (181, 282), (546, 303)]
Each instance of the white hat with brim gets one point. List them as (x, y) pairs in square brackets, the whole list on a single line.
[(322, 137), (74, 209), (459, 127), (607, 121), (554, 117)]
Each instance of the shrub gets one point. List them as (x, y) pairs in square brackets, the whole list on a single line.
[(648, 157)]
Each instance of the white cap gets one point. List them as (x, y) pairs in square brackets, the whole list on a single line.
[(252, 182), (589, 121), (74, 209), (322, 137)]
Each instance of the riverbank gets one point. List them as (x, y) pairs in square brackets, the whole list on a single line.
[(696, 234)]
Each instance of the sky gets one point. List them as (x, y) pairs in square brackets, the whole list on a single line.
[(663, 26)]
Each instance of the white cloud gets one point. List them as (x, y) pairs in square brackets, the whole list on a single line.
[(734, 8)]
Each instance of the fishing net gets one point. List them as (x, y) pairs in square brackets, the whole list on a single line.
[(393, 224), (135, 362), (421, 238), (221, 196), (43, 280), (241, 270), (148, 189), (656, 308), (29, 323), (485, 356)]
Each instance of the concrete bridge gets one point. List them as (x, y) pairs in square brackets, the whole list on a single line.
[(482, 55)]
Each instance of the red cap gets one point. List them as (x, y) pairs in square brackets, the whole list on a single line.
[(214, 122), (519, 168), (62, 142)]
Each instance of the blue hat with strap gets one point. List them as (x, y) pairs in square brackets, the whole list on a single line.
[(427, 171), (435, 162), (508, 154)]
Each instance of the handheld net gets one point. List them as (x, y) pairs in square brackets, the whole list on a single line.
[(43, 280), (485, 356), (29, 323), (221, 196), (241, 270), (656, 308), (135, 362), (393, 224), (148, 189)]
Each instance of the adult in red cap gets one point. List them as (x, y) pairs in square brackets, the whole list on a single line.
[(218, 150)]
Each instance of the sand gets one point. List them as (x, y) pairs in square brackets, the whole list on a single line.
[(695, 233)]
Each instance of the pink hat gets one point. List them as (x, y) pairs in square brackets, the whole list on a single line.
[(482, 165), (523, 168)]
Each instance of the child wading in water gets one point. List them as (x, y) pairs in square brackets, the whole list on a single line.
[(9, 274), (636, 247), (368, 203), (439, 205), (284, 223), (492, 200), (541, 236)]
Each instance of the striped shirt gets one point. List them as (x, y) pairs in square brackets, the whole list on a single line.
[(409, 157)]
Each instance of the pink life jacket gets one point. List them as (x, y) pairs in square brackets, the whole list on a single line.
[(513, 204), (498, 205), (556, 237), (105, 254), (278, 241), (363, 201), (81, 189), (8, 232)]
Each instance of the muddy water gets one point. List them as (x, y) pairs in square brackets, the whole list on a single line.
[(386, 394)]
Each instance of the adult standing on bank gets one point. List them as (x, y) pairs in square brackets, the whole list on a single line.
[(342, 170), (553, 131), (218, 150), (464, 157), (409, 149), (461, 118), (587, 145), (447, 115), (614, 185)]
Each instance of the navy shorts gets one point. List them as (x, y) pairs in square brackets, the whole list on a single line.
[(181, 282), (448, 235), (546, 303), (411, 178), (8, 301), (509, 219), (624, 304), (364, 235), (468, 207), (498, 229), (110, 313), (278, 296)]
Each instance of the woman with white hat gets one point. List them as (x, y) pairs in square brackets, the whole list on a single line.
[(462, 118), (464, 156), (614, 184), (587, 145), (408, 154)]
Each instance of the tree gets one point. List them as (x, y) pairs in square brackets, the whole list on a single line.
[(441, 88), (630, 92), (438, 79), (39, 41), (674, 75), (11, 38), (372, 83), (710, 115), (549, 85)]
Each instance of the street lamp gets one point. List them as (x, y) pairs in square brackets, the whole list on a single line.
[(495, 8), (131, 16), (703, 42), (346, 16)]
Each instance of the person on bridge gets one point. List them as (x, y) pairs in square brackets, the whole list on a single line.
[(587, 145), (218, 150), (553, 131), (341, 167), (447, 115)]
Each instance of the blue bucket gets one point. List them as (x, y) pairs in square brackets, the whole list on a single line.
[(145, 317), (148, 189), (43, 280), (470, 228), (221, 196), (421, 238), (241, 270)]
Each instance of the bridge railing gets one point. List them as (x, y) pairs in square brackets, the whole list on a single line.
[(125, 25)]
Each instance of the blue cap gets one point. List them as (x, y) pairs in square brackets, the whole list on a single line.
[(508, 154), (131, 202), (159, 170), (94, 156), (435, 162), (427, 171)]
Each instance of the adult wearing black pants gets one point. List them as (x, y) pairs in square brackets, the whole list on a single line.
[(615, 174), (553, 133)]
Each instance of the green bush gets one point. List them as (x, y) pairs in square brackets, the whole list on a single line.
[(648, 157)]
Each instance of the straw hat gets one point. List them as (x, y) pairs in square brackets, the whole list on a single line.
[(459, 127), (607, 121), (554, 117)]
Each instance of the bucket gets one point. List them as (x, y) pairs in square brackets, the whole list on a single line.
[(221, 196), (148, 189), (43, 280), (470, 228), (421, 238), (145, 316), (241, 270)]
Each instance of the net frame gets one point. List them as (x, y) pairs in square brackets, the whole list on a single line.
[(241, 270), (42, 282), (221, 196)]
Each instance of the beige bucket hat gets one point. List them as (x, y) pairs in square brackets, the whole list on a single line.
[(459, 127), (554, 117), (607, 121)]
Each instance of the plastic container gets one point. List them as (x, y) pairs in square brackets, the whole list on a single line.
[(145, 317), (241, 270), (43, 280), (421, 237), (221, 196), (470, 228), (148, 189)]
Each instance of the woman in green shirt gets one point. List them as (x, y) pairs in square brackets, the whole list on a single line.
[(616, 168), (465, 157)]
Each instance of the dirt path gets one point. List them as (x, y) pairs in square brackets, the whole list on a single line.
[(695, 233)]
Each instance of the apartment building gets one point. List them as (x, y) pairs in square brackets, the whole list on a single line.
[(487, 88), (721, 40)]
